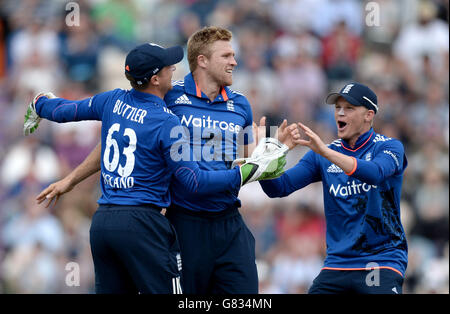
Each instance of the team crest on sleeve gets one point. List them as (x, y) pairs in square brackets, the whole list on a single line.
[(230, 105)]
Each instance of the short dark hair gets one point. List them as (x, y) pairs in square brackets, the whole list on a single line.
[(136, 85)]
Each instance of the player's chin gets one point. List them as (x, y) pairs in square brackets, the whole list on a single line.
[(342, 134), (227, 80)]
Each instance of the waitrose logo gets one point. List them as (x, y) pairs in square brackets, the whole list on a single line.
[(350, 189), (207, 122)]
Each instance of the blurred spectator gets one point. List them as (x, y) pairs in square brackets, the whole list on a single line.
[(340, 53), (428, 36), (432, 205), (116, 22), (29, 160), (330, 12), (79, 53), (32, 226), (297, 263), (23, 43)]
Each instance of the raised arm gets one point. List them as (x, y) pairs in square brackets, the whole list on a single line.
[(48, 106), (87, 168), (196, 180), (389, 161)]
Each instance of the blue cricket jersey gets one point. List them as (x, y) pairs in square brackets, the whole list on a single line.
[(215, 129), (137, 140), (362, 209)]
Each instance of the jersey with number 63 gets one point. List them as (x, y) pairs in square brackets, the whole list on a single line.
[(137, 138)]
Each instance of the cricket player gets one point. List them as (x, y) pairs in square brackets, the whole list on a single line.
[(217, 248), (361, 174), (134, 246)]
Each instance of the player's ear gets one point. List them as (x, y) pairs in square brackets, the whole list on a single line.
[(202, 61), (154, 80), (370, 114)]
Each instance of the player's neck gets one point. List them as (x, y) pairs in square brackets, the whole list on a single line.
[(207, 85), (154, 91), (354, 138)]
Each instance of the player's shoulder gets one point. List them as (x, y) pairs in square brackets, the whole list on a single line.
[(177, 88), (237, 99), (169, 117), (335, 144), (177, 95), (178, 84), (112, 93), (164, 113), (383, 140), (237, 96)]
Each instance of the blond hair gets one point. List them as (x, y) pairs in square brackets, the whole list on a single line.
[(200, 42)]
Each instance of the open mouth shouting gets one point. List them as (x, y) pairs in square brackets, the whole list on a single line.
[(341, 125)]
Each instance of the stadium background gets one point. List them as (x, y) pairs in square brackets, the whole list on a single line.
[(290, 54)]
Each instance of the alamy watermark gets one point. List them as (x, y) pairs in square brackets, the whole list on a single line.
[(73, 17), (372, 10), (73, 274), (373, 277)]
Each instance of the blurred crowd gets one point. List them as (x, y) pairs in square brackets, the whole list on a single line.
[(290, 54)]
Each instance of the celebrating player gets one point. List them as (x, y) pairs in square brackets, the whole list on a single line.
[(224, 262), (134, 246), (362, 175), (217, 248)]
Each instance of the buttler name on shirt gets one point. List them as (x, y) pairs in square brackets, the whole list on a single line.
[(129, 112)]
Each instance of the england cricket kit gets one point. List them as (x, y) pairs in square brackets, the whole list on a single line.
[(218, 249), (137, 164), (362, 208)]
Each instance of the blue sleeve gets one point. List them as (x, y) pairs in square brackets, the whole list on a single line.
[(305, 172), (389, 160), (172, 141), (63, 110)]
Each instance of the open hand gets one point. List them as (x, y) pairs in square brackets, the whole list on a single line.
[(287, 134), (54, 191), (314, 142)]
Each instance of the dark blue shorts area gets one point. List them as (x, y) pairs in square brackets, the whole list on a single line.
[(135, 250), (218, 252), (375, 281)]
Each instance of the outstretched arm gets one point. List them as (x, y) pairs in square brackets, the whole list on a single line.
[(87, 168), (48, 106), (389, 161)]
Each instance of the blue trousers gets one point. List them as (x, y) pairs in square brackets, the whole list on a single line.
[(135, 250), (218, 251), (378, 281)]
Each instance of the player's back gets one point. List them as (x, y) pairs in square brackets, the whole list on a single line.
[(133, 168)]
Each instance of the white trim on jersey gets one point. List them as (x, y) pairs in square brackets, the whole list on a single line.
[(235, 92), (178, 83), (336, 143)]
